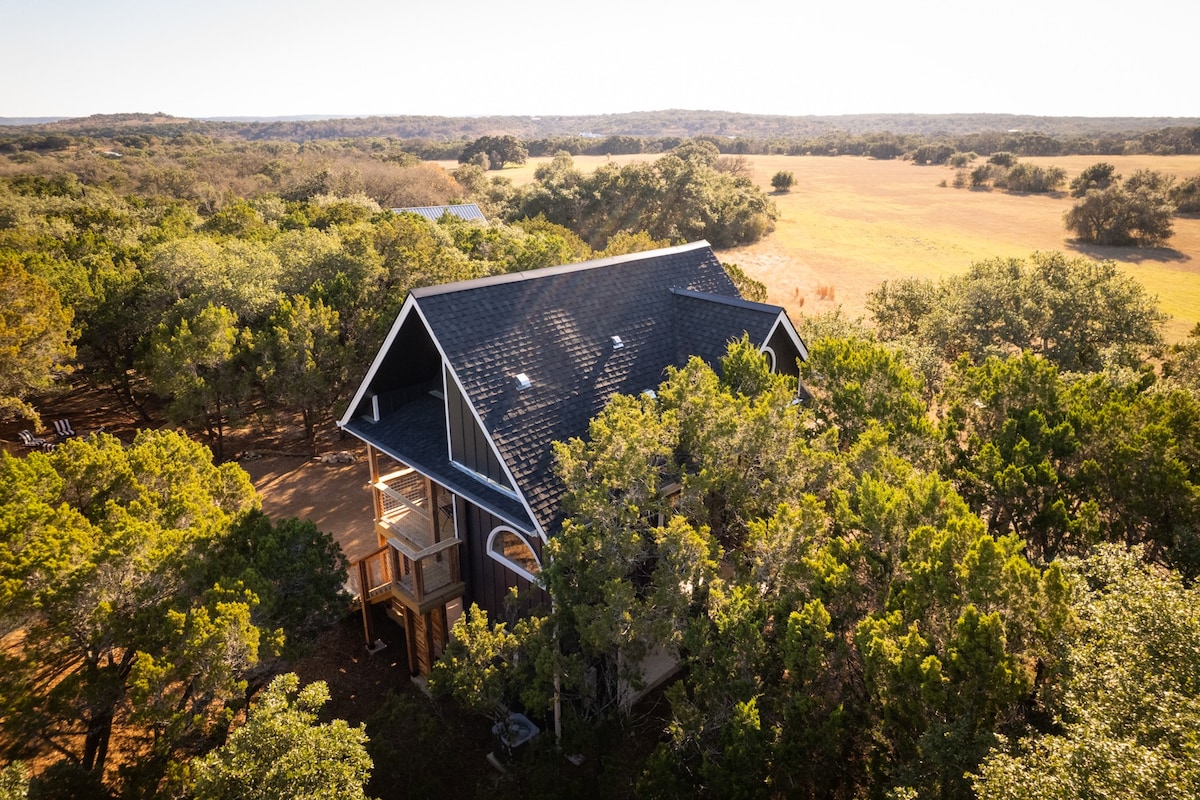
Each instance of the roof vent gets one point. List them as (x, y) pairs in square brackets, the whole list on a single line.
[(522, 381), (650, 393), (617, 343)]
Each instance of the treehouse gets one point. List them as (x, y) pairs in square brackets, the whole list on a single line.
[(474, 382)]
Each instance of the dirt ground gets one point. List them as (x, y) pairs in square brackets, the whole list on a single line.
[(333, 495)]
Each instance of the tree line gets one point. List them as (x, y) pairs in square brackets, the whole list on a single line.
[(268, 304), (990, 485), (435, 138), (1110, 212)]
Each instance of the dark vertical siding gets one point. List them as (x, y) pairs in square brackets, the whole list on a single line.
[(468, 444), (455, 410), (785, 352), (488, 581)]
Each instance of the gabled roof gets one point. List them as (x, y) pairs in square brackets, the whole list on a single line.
[(556, 326), (467, 211), (703, 323)]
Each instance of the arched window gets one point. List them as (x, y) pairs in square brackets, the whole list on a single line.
[(770, 358), (510, 548)]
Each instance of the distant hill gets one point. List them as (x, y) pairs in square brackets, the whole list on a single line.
[(28, 120), (674, 122)]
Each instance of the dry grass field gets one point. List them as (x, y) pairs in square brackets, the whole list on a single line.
[(850, 223)]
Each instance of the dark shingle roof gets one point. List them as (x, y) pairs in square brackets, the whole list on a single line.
[(556, 326), (705, 324)]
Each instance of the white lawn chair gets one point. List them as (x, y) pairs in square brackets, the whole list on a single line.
[(63, 429), (29, 440)]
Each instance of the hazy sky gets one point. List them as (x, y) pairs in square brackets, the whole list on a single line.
[(468, 57)]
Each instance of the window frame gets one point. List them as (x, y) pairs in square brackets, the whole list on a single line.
[(508, 563)]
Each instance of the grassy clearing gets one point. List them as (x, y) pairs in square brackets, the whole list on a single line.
[(850, 223)]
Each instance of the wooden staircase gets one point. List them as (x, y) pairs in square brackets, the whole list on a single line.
[(415, 585)]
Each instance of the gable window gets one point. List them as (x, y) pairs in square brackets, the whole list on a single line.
[(770, 354), (510, 548)]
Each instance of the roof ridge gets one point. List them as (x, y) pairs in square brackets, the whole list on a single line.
[(740, 302), (543, 272)]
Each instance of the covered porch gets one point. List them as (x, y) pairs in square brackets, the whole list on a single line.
[(416, 571), (421, 503)]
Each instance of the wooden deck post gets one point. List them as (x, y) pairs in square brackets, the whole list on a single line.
[(363, 590), (431, 490), (419, 580), (376, 498), (411, 632)]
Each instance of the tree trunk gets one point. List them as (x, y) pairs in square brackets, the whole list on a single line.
[(310, 429), (95, 743)]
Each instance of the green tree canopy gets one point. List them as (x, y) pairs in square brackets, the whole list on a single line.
[(1077, 313), (1065, 463), (102, 544), (1097, 176), (284, 753), (35, 338), (857, 383), (1129, 710), (194, 366), (303, 363), (1136, 212), (674, 198), (140, 576), (14, 783), (500, 150)]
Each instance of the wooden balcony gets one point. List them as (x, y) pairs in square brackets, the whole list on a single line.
[(417, 569), (404, 510), (421, 580)]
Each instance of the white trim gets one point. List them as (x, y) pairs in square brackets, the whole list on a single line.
[(772, 359), (784, 321), (410, 306), (508, 491), (512, 565), (534, 274), (465, 495), (448, 370), (445, 370), (495, 486), (519, 495)]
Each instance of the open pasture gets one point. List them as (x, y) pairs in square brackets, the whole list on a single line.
[(850, 223)]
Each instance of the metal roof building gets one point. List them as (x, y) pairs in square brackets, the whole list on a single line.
[(467, 211)]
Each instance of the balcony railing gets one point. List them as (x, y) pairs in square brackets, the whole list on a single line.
[(402, 509), (421, 579)]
